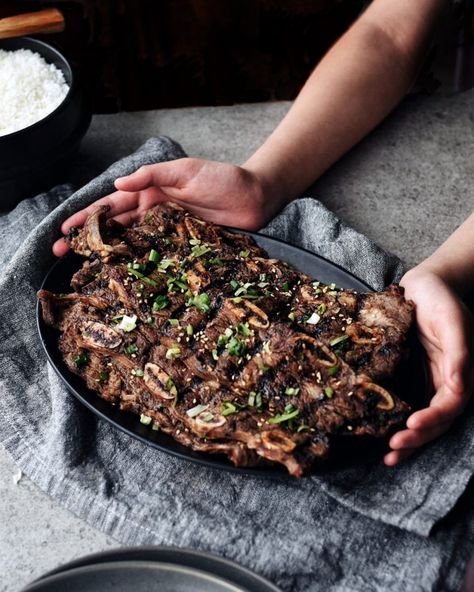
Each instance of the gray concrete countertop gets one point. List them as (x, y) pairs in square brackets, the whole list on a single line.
[(407, 186)]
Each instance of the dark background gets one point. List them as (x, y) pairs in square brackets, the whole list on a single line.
[(145, 54)]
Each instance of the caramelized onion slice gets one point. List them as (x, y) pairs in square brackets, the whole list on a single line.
[(317, 350), (98, 335), (257, 317), (156, 380), (276, 440), (385, 398), (363, 335), (206, 426)]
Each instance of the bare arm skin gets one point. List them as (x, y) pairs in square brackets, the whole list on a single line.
[(351, 90)]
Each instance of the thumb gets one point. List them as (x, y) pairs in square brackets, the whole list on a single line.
[(163, 174)]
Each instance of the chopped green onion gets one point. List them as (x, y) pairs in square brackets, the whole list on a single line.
[(302, 428), (81, 359), (201, 302), (337, 340), (215, 355), (290, 413), (127, 323), (207, 416), (150, 321), (235, 347), (165, 263), (173, 322), (103, 376), (246, 290), (255, 399), (329, 392), (138, 372), (145, 419), (292, 316), (136, 266), (292, 391), (322, 309), (194, 241), (234, 284), (313, 319), (142, 277), (153, 256), (155, 427), (228, 408), (173, 282), (244, 254), (216, 261), (170, 386), (161, 302), (199, 250), (189, 330), (332, 286), (266, 347), (130, 349), (286, 287), (333, 370), (244, 329), (195, 411), (173, 352)]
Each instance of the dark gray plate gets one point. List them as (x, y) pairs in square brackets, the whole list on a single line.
[(360, 449), (145, 569)]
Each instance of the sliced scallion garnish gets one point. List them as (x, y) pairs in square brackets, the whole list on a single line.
[(81, 359), (329, 392), (173, 352), (195, 411), (160, 302), (127, 323), (339, 339), (153, 256)]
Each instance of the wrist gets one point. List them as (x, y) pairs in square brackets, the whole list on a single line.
[(275, 184), (434, 269)]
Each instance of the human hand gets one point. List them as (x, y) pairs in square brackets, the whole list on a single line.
[(218, 192), (445, 328)]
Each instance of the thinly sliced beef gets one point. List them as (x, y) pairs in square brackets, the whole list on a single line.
[(224, 349)]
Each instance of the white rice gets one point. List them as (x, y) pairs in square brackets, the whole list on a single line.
[(30, 89)]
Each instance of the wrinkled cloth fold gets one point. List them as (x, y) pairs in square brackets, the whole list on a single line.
[(308, 534)]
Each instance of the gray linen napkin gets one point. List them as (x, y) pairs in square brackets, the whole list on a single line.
[(312, 534)]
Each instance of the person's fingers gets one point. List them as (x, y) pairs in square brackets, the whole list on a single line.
[(119, 201), (128, 218), (415, 438), (456, 354), (60, 247), (163, 174), (393, 458), (444, 406)]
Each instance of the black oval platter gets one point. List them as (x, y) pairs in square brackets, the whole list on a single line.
[(411, 386)]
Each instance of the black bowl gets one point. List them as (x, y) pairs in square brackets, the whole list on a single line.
[(36, 157)]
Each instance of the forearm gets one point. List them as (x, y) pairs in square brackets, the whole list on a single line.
[(454, 260), (351, 90)]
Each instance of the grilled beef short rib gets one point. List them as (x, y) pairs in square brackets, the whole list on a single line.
[(195, 329)]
